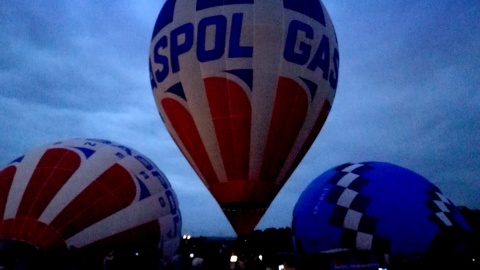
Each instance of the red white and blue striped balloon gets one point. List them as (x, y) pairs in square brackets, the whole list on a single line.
[(87, 193), (244, 87)]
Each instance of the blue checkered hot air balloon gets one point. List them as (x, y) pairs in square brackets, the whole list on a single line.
[(373, 206)]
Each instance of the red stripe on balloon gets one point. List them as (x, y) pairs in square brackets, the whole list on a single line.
[(231, 114), (110, 192), (289, 113), (51, 238), (322, 117), (183, 124), (6, 179), (53, 170)]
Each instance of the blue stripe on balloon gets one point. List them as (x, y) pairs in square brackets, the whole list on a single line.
[(86, 151), (312, 87), (17, 160), (177, 89), (204, 4), (144, 192), (165, 17)]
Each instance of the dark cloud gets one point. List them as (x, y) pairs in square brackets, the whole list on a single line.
[(73, 54)]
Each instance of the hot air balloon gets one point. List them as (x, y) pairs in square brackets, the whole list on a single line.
[(87, 194), (372, 206), (244, 87)]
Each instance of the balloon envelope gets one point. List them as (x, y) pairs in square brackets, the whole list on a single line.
[(244, 87), (374, 206), (87, 193)]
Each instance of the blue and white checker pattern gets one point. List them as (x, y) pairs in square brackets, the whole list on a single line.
[(441, 207), (358, 229), (374, 206)]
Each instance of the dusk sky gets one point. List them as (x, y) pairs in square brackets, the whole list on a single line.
[(408, 93)]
